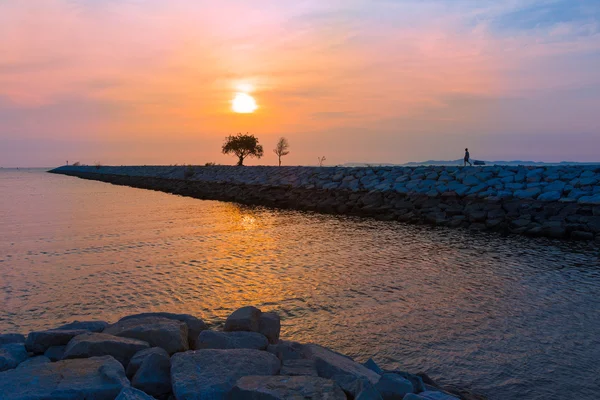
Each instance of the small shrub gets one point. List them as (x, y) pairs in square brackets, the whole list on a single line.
[(76, 164), (210, 164)]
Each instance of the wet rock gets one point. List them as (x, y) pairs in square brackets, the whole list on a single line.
[(269, 325), (243, 319), (139, 357), (393, 387), (287, 387), (11, 355), (195, 325), (287, 350), (300, 367), (154, 375), (169, 334), (39, 342), (11, 338), (102, 344), (33, 361), (98, 378), (212, 374), (55, 353), (91, 326), (232, 340), (133, 394), (330, 363)]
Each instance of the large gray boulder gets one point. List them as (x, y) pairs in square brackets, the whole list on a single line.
[(330, 363), (430, 395), (133, 394), (231, 340), (55, 353), (394, 387), (286, 387), (91, 326), (136, 361), (300, 367), (39, 342), (33, 361), (287, 350), (269, 325), (195, 325), (154, 375), (357, 388), (11, 355), (243, 319), (97, 378), (169, 334), (102, 344), (7, 338), (212, 373)]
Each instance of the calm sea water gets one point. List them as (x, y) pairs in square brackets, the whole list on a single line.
[(511, 317)]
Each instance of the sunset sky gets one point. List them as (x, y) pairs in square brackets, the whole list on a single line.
[(152, 81)]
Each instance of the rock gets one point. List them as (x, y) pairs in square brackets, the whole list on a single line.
[(33, 361), (195, 325), (393, 387), (232, 340), (549, 196), (97, 378), (55, 353), (372, 365), (287, 350), (139, 357), (357, 388), (91, 326), (203, 374), (580, 235), (171, 335), (430, 395), (471, 181), (102, 344), (133, 394), (330, 363), (417, 381), (300, 367), (11, 355), (243, 319), (587, 200), (286, 387), (269, 325), (154, 375), (528, 193), (39, 342), (7, 338)]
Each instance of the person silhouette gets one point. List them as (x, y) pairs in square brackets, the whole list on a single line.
[(467, 158)]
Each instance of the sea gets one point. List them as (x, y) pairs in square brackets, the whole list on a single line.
[(510, 317)]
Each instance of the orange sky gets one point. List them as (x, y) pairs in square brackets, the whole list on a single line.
[(124, 82)]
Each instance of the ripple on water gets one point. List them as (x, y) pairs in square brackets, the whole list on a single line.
[(513, 317)]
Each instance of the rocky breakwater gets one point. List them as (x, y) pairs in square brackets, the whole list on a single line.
[(554, 201), (177, 356)]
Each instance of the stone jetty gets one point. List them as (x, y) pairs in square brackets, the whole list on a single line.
[(552, 201), (177, 356)]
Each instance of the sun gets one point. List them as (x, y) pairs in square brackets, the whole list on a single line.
[(243, 103)]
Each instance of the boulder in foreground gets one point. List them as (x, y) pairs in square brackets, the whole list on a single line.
[(90, 326), (231, 340), (40, 341), (136, 361), (195, 325), (171, 335), (97, 378), (287, 387), (212, 374), (251, 319), (11, 355), (133, 394), (7, 338), (330, 363), (154, 374), (102, 344)]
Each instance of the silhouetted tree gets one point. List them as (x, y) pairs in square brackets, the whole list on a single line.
[(282, 148), (321, 160), (242, 146)]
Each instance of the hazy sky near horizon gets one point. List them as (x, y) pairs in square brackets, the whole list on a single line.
[(151, 81)]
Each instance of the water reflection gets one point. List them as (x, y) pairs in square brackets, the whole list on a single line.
[(515, 317)]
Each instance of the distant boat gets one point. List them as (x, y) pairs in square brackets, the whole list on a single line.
[(478, 162)]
